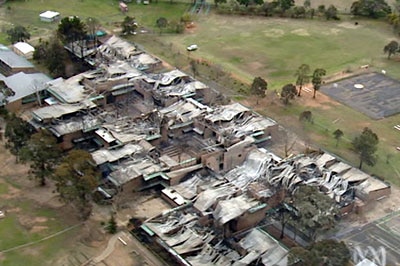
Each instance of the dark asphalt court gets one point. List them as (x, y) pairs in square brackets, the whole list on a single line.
[(379, 96)]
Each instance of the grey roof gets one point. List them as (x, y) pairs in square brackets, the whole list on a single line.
[(107, 155), (58, 110), (252, 169), (260, 244), (117, 46), (184, 111), (141, 167), (12, 59), (68, 91), (25, 84), (208, 197), (84, 123), (226, 112), (230, 209)]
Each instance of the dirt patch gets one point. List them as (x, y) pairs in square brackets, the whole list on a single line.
[(29, 222), (151, 208), (300, 32), (38, 228), (255, 66), (123, 256), (12, 193), (273, 33), (321, 100), (348, 25), (332, 31)]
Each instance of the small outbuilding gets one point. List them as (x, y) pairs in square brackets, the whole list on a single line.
[(24, 49), (49, 16)]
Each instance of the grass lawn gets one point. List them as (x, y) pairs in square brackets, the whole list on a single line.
[(26, 222), (3, 188), (26, 13)]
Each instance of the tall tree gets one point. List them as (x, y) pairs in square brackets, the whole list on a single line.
[(331, 13), (53, 55), (18, 34), (217, 2), (303, 76), (316, 211), (316, 79), (338, 134), (366, 145), (129, 25), (5, 92), (285, 4), (76, 178), (162, 23), (193, 67), (370, 8), (259, 87), (325, 252), (93, 25), (17, 133), (43, 154), (71, 29), (391, 48), (288, 93)]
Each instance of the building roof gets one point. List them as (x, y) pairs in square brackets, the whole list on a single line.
[(339, 167), (226, 112), (107, 155), (258, 244), (370, 185), (232, 208), (13, 60), (184, 111), (24, 48), (166, 78), (116, 46), (355, 175), (84, 123), (253, 168), (58, 110), (207, 198), (25, 84), (49, 14), (68, 91), (132, 170)]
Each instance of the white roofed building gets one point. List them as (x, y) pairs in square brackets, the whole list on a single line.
[(49, 16), (24, 49)]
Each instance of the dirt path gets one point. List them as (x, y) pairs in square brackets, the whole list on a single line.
[(109, 249)]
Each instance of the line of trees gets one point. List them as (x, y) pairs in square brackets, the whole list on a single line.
[(303, 76), (288, 8)]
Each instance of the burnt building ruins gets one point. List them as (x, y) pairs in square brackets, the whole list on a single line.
[(147, 128)]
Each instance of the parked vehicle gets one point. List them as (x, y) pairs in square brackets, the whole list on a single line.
[(192, 47)]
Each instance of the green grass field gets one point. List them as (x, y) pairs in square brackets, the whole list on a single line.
[(18, 228), (26, 13)]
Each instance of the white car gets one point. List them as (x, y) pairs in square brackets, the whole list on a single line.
[(192, 47)]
